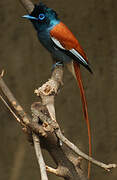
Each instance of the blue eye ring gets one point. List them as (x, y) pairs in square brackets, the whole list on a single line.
[(41, 16)]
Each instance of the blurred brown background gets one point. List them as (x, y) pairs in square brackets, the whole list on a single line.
[(27, 65)]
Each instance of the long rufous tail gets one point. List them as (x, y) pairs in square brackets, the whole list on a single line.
[(84, 103)]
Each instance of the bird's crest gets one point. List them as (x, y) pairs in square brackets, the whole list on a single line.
[(42, 8)]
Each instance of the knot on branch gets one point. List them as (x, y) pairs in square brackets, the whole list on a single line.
[(79, 162), (51, 87), (47, 89), (108, 167), (42, 117)]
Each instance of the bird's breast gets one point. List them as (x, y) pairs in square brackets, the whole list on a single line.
[(46, 41), (44, 38)]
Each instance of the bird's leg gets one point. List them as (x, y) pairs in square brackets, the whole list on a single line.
[(59, 63)]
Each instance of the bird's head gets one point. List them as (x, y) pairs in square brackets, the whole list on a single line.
[(42, 17)]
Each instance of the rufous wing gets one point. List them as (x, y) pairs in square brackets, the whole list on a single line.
[(64, 39)]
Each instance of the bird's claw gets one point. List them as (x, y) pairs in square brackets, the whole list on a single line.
[(59, 63)]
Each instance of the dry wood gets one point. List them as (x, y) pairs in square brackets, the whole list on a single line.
[(44, 129)]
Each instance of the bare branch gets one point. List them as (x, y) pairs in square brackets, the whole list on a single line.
[(25, 119), (47, 93), (28, 5), (25, 122), (6, 104), (14, 102), (38, 148), (52, 170), (80, 153), (40, 157), (50, 142)]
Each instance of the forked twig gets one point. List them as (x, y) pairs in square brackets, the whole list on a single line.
[(24, 121), (47, 97), (75, 149)]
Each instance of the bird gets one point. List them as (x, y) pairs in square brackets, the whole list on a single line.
[(63, 46)]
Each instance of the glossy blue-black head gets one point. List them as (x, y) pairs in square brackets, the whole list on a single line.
[(42, 17)]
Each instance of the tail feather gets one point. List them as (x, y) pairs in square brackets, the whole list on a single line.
[(84, 103)]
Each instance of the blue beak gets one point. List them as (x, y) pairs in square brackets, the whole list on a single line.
[(29, 17)]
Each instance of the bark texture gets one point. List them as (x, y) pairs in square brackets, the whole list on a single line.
[(94, 24)]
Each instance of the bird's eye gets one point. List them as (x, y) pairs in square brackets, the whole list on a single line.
[(41, 16)]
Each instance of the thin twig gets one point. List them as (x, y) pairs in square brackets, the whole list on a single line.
[(52, 170), (14, 102), (40, 157), (16, 117), (25, 119), (80, 153)]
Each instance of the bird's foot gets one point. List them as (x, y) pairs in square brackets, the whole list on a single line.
[(59, 63)]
